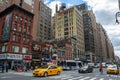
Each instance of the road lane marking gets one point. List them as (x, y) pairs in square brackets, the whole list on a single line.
[(93, 78), (101, 79), (67, 78), (75, 78), (6, 77), (84, 78)]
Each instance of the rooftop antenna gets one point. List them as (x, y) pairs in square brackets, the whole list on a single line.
[(56, 7)]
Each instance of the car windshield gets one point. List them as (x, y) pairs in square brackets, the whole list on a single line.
[(43, 66), (84, 67), (112, 66)]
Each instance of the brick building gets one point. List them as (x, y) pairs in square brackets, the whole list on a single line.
[(15, 35)]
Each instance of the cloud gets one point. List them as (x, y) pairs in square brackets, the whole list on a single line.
[(104, 10), (114, 34)]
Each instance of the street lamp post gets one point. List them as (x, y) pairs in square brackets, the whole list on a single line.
[(116, 16), (118, 13)]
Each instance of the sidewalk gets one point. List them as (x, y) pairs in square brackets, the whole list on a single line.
[(12, 71), (28, 73)]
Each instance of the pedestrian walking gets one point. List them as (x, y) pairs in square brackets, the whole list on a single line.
[(25, 69), (2, 68), (7, 67), (101, 68)]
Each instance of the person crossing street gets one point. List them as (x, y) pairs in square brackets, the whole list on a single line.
[(101, 68)]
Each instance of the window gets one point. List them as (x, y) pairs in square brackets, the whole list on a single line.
[(14, 37), (21, 2), (19, 37), (25, 29), (15, 27), (25, 22), (28, 40), (16, 18), (15, 48), (21, 19), (4, 48), (24, 38), (20, 28), (24, 50), (29, 23), (28, 30)]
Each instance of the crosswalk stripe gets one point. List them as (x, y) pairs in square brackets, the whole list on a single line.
[(67, 78), (84, 78), (75, 78), (93, 78), (101, 79)]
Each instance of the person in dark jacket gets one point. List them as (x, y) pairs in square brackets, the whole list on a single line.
[(7, 66), (2, 68), (101, 68)]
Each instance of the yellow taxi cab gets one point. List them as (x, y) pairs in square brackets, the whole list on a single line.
[(47, 70), (112, 69)]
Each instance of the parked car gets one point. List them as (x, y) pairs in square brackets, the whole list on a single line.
[(47, 70), (112, 69), (86, 69)]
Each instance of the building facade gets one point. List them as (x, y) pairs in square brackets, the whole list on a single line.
[(68, 24), (88, 31), (44, 23), (107, 49), (29, 5), (15, 35)]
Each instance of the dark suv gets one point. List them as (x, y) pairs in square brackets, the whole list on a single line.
[(86, 69)]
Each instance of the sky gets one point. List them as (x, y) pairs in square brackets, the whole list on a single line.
[(104, 11)]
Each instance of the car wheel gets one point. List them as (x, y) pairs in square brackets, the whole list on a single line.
[(45, 74), (58, 73)]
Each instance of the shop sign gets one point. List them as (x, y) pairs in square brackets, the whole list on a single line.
[(27, 57), (2, 56), (14, 56), (47, 45), (46, 59)]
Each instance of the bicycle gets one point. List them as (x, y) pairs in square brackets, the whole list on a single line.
[(101, 71)]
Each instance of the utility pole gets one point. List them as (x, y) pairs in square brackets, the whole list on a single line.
[(119, 4), (118, 13)]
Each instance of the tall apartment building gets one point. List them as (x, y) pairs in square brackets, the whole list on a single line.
[(69, 24), (88, 31), (107, 50), (44, 27), (15, 35)]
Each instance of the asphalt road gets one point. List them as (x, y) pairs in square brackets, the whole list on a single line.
[(66, 75)]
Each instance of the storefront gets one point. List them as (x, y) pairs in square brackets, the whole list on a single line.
[(15, 59), (2, 58), (27, 59)]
